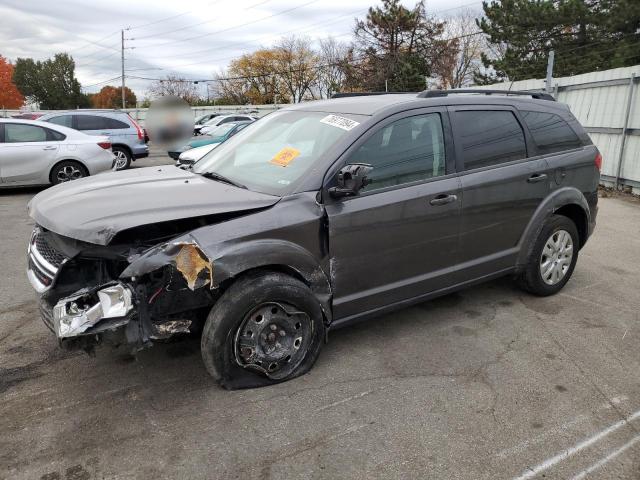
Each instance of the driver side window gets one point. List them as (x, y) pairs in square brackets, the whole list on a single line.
[(407, 150)]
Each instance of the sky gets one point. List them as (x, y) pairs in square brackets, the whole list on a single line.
[(189, 38)]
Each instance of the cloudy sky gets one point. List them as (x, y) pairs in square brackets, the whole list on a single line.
[(193, 39)]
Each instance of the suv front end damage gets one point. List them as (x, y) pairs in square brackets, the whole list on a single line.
[(86, 301)]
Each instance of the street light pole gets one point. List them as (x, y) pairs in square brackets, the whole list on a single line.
[(122, 62)]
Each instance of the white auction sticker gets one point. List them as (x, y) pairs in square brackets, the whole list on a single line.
[(340, 122)]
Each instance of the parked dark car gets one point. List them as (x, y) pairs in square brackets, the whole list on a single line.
[(320, 215)]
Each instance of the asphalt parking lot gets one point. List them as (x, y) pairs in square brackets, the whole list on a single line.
[(483, 384)]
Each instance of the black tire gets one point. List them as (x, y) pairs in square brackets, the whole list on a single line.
[(235, 308), (531, 279), (125, 155), (67, 170)]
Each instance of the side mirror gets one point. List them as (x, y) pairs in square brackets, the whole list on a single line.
[(351, 178)]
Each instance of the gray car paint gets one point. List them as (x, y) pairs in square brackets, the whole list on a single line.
[(95, 211), (363, 255)]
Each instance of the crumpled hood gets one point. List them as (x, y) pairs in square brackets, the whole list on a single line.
[(95, 209)]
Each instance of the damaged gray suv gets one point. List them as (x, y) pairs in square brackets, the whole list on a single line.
[(318, 215)]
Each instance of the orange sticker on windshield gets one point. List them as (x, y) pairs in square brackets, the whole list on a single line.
[(285, 156)]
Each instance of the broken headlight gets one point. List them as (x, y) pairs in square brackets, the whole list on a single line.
[(74, 315)]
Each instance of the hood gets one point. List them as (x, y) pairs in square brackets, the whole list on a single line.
[(205, 140), (95, 209)]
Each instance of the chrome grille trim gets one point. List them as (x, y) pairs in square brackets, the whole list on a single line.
[(39, 267)]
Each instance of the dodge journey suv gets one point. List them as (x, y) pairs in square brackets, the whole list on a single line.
[(319, 215)]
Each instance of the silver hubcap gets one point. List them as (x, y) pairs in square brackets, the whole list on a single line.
[(121, 160), (556, 257), (68, 172)]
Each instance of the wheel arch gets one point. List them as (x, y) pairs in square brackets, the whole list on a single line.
[(567, 201), (124, 146)]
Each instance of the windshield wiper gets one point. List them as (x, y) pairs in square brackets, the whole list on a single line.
[(222, 178)]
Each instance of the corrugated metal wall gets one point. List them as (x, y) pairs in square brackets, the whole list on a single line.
[(600, 100)]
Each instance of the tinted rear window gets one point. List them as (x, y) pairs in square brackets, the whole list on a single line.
[(550, 132), (490, 137), (91, 122)]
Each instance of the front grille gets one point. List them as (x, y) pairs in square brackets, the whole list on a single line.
[(51, 255), (42, 276), (44, 261)]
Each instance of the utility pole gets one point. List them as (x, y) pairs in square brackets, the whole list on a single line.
[(548, 85), (122, 62), (386, 86)]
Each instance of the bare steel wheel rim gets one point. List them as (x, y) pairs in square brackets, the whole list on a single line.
[(273, 339), (556, 257), (68, 173), (121, 159)]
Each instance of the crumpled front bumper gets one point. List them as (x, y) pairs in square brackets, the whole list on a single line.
[(90, 310)]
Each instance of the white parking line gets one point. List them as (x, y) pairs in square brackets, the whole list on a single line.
[(607, 459), (532, 472)]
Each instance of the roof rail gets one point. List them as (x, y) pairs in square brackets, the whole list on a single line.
[(366, 94), (444, 93)]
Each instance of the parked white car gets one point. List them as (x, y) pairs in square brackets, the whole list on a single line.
[(41, 153), (188, 158), (211, 125)]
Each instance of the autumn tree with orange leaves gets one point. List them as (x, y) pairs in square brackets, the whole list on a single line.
[(111, 97), (10, 96)]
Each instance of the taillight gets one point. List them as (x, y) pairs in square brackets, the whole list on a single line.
[(105, 145), (598, 161), (139, 130)]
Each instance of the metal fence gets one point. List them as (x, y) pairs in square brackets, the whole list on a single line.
[(607, 104)]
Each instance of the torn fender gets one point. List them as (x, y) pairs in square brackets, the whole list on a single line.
[(200, 267)]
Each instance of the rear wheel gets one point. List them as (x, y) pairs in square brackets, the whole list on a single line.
[(266, 328), (123, 158), (553, 258), (66, 171)]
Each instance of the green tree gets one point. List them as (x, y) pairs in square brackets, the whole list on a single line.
[(585, 35), (51, 83), (399, 45)]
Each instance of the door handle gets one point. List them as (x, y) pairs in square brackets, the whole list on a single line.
[(443, 199), (50, 147), (537, 177)]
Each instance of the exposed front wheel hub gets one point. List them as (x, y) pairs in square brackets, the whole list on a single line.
[(273, 338)]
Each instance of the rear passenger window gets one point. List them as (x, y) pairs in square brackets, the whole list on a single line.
[(64, 120), (113, 124), (92, 122), (407, 150), (550, 132), (490, 137), (22, 132)]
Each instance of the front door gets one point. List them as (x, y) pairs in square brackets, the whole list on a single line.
[(26, 153), (397, 239)]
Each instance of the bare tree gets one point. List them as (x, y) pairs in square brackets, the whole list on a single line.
[(297, 67), (174, 86), (464, 62), (333, 68)]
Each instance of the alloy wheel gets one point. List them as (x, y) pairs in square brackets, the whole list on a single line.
[(68, 173), (121, 159), (556, 257)]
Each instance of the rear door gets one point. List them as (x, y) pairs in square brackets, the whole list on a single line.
[(501, 186), (26, 153), (396, 240)]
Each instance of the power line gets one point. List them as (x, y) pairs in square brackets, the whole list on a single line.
[(282, 12), (171, 17), (186, 27)]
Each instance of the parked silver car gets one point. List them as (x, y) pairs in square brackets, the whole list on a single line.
[(38, 153), (127, 138), (211, 125)]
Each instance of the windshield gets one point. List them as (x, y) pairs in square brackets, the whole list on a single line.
[(221, 130), (278, 150)]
